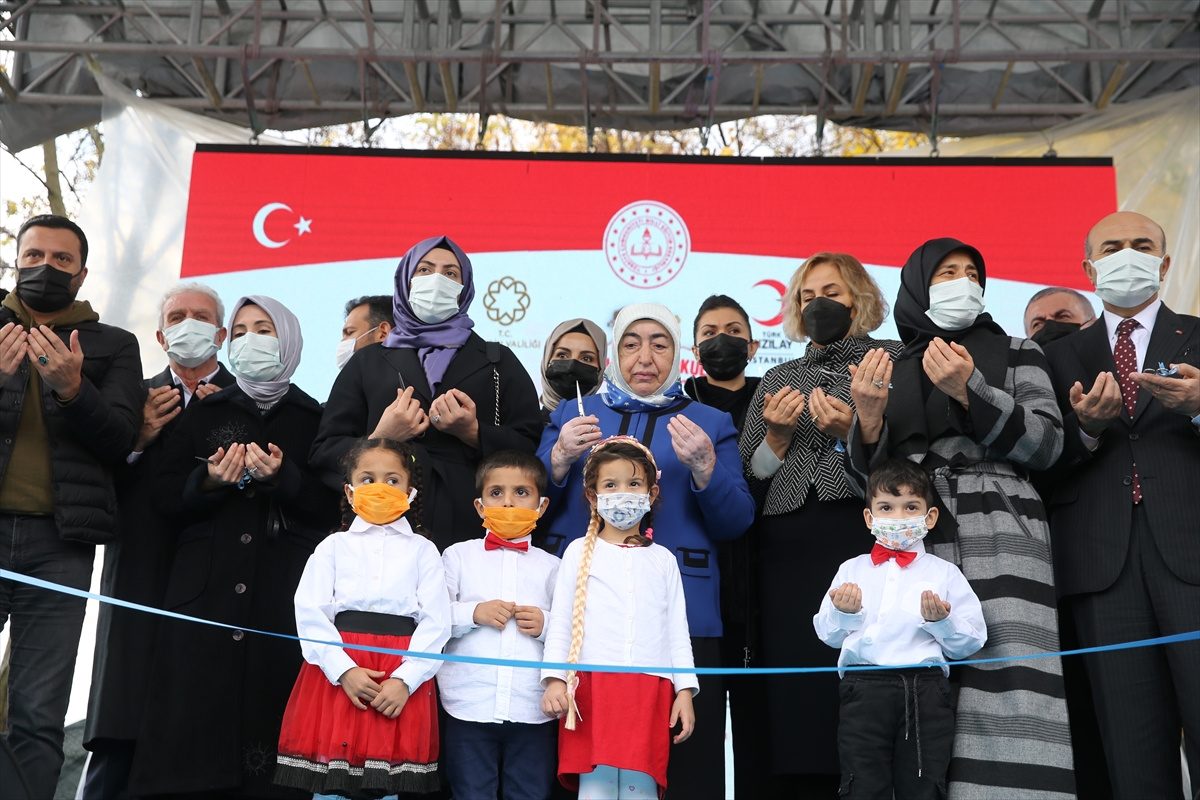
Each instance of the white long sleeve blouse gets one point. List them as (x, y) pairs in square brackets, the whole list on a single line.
[(385, 569), (474, 575), (889, 630), (635, 612)]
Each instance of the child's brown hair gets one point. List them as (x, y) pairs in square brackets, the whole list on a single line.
[(615, 449), (408, 462)]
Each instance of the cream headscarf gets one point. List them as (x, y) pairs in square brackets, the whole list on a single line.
[(671, 389), (550, 398)]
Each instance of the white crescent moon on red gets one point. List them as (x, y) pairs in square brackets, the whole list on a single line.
[(260, 219)]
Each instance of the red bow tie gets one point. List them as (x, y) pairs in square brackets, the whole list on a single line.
[(494, 542), (880, 554)]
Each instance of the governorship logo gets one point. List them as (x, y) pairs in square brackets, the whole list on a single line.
[(506, 300), (646, 243)]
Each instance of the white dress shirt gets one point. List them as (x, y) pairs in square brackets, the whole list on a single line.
[(486, 693), (889, 629), (386, 569), (635, 612), (185, 398), (1139, 337)]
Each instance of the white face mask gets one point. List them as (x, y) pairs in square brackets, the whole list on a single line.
[(345, 348), (1127, 278), (255, 357), (954, 305), (434, 298), (192, 342), (622, 510), (899, 534)]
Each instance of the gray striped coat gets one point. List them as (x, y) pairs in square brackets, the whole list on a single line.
[(1012, 738)]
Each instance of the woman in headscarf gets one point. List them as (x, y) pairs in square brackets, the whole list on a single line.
[(574, 355), (235, 476), (811, 518), (704, 500), (976, 409), (437, 383)]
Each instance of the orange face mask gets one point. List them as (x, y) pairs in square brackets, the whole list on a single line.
[(510, 523), (379, 503)]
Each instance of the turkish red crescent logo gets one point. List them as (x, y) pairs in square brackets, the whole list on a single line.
[(779, 287)]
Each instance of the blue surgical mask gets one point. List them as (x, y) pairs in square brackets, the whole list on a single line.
[(623, 510), (192, 342), (1127, 278), (255, 357), (954, 305)]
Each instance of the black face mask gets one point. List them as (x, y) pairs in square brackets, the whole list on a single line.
[(44, 288), (724, 357), (1053, 330), (826, 321), (563, 373)]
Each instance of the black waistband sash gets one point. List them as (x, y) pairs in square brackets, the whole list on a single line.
[(375, 624)]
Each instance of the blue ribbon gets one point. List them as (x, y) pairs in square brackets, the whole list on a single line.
[(501, 662)]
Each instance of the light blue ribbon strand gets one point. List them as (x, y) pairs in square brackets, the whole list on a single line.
[(501, 662)]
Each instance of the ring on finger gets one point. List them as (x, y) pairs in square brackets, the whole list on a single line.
[(43, 360), (437, 418), (579, 440), (877, 384)]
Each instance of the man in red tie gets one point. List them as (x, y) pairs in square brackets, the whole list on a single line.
[(500, 592), (886, 609), (1122, 506)]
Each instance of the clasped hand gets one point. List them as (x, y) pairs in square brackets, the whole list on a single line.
[(63, 370), (388, 699), (226, 466)]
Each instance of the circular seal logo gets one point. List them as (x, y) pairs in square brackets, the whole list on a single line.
[(506, 301), (646, 244)]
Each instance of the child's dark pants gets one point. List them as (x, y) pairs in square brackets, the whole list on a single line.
[(895, 733), (482, 757)]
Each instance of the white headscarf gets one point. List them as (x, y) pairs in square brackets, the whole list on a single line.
[(291, 343), (628, 315)]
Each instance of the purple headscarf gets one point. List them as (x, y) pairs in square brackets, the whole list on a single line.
[(435, 342)]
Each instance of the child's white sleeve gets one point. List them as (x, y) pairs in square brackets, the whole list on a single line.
[(677, 628), (462, 615), (547, 612), (834, 626), (558, 640), (433, 619), (314, 617), (963, 633)]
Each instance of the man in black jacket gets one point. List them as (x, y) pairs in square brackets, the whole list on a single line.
[(136, 566), (1122, 505), (70, 407)]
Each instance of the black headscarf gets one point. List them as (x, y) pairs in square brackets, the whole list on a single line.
[(916, 328)]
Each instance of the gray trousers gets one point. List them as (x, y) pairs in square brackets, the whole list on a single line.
[(45, 628)]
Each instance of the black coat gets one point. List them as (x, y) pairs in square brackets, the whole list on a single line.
[(219, 695), (89, 435), (136, 566), (1089, 492), (483, 371)]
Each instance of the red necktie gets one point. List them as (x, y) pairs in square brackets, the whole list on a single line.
[(880, 554), (1125, 356), (494, 542)]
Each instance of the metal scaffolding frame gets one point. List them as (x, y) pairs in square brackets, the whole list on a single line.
[(956, 66)]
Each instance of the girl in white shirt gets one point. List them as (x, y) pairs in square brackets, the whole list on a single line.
[(626, 594), (362, 723)]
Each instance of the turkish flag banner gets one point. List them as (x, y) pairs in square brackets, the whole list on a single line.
[(558, 236)]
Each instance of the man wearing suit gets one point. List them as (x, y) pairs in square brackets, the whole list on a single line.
[(136, 565), (1123, 503)]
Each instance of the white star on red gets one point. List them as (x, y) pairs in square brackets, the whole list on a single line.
[(304, 225)]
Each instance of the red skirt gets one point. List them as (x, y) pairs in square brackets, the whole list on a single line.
[(328, 746), (624, 723)]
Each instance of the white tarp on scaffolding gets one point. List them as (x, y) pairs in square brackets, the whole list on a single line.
[(1155, 147)]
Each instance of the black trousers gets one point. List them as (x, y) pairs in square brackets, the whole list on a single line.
[(696, 770), (479, 755), (1145, 695), (895, 734), (107, 775)]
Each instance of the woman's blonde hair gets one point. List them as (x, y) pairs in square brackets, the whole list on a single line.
[(870, 307), (615, 449)]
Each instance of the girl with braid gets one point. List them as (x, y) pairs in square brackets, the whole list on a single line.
[(626, 606), (361, 723)]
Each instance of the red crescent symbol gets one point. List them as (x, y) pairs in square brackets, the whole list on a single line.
[(779, 287)]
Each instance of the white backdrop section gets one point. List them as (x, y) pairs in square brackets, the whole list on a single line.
[(521, 296), (135, 211), (1155, 148)]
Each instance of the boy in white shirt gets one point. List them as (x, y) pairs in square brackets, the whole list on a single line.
[(500, 591), (886, 608)]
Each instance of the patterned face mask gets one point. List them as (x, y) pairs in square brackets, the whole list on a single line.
[(899, 534), (622, 510)]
